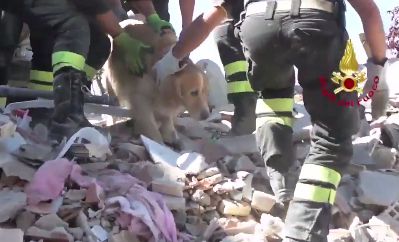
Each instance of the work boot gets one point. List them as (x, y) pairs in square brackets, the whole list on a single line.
[(283, 186), (68, 116), (244, 119)]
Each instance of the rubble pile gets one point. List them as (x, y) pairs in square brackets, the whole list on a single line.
[(213, 187)]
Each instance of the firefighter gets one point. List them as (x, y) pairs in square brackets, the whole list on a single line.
[(310, 34), (67, 23), (41, 74), (239, 91)]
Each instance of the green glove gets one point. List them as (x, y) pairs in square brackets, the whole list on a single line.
[(157, 24), (133, 51)]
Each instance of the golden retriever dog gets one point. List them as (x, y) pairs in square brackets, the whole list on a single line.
[(154, 108)]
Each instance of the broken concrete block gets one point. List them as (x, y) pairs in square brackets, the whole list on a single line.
[(270, 226), (263, 201), (233, 226), (137, 150), (147, 171), (100, 233), (247, 189), (210, 181), (191, 163), (361, 150), (123, 236), (229, 207), (11, 166), (57, 234), (160, 153), (390, 216), (384, 157), (76, 195), (11, 235), (245, 144), (370, 187), (201, 197), (174, 203), (164, 186), (180, 217), (209, 215), (11, 203), (208, 172), (244, 164), (339, 235), (76, 232), (25, 220), (50, 222), (196, 229), (193, 208)]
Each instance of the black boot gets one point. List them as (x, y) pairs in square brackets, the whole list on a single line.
[(68, 116), (244, 119)]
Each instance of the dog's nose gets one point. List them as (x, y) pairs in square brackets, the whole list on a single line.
[(204, 114)]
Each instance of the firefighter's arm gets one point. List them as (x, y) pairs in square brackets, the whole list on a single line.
[(190, 38), (132, 49), (373, 28), (146, 7), (187, 11)]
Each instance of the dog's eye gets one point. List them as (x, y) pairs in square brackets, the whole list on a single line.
[(194, 93)]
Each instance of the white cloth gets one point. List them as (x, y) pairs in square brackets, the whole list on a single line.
[(166, 66)]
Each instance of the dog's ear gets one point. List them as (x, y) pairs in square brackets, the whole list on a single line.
[(177, 86)]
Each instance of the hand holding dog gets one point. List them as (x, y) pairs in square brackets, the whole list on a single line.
[(377, 70), (167, 66), (158, 24), (133, 51)]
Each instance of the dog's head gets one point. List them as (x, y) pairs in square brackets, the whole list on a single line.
[(191, 90)]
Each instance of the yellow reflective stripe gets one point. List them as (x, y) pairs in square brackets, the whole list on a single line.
[(239, 86), (65, 58), (288, 121), (275, 105), (90, 71), (44, 76), (235, 67), (3, 102), (320, 173), (314, 193), (35, 86)]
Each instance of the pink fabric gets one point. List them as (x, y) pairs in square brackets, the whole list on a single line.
[(142, 205), (141, 211), (48, 182)]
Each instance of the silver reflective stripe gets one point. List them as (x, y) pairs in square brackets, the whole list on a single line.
[(285, 5)]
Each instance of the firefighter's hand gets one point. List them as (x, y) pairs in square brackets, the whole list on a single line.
[(376, 73), (157, 24), (133, 51), (167, 66)]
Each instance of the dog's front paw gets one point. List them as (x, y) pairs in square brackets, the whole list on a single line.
[(173, 140)]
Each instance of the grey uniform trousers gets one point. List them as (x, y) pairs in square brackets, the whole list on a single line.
[(315, 43)]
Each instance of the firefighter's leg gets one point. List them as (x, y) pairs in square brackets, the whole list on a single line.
[(10, 29), (271, 72), (274, 138), (335, 119), (41, 76), (71, 34), (240, 92)]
